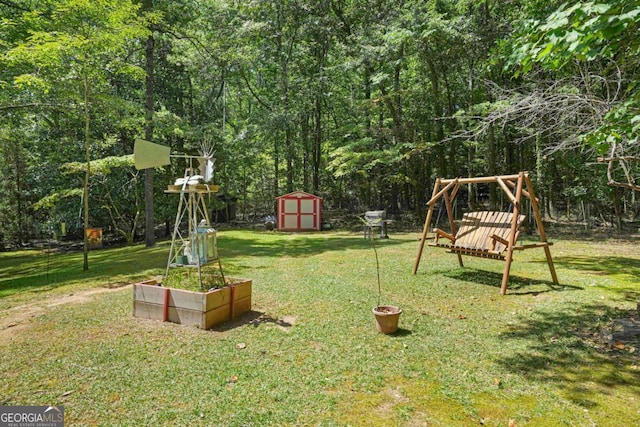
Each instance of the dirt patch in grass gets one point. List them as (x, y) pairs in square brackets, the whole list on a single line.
[(17, 318)]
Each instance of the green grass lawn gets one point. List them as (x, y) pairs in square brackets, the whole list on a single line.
[(309, 353)]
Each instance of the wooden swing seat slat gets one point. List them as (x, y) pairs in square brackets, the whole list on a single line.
[(483, 234), (468, 251)]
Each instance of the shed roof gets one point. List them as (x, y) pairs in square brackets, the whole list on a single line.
[(298, 193)]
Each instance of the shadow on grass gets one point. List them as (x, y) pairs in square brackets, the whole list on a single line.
[(604, 265), (567, 348), (522, 285), (255, 319), (37, 271), (263, 244), (401, 332), (607, 266)]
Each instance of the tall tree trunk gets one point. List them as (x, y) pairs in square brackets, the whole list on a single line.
[(398, 126), (276, 165), (149, 223), (150, 236), (289, 153), (282, 62), (317, 144), (304, 136), (17, 191), (471, 150), (540, 182), (288, 143), (85, 189), (615, 195), (451, 124), (439, 112), (492, 166), (367, 96), (511, 159), (321, 62)]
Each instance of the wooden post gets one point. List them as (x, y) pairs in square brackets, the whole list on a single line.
[(507, 191), (452, 224), (232, 290), (540, 225), (165, 308), (439, 194), (512, 235), (427, 222)]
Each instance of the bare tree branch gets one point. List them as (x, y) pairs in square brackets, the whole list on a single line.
[(253, 93), (560, 111)]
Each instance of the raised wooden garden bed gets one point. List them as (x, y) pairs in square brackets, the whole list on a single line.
[(151, 300)]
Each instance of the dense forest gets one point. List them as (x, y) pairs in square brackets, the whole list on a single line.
[(362, 102)]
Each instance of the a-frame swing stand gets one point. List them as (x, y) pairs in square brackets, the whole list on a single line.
[(486, 234)]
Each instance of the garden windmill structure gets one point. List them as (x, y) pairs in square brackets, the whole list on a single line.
[(198, 246)]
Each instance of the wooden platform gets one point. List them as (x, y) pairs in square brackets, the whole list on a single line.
[(198, 188)]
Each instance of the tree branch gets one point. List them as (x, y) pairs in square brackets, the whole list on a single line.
[(254, 94), (21, 106), (13, 5)]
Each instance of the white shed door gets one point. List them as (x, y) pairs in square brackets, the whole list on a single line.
[(290, 214), (307, 214)]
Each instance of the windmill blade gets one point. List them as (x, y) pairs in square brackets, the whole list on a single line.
[(207, 166), (150, 155), (207, 161)]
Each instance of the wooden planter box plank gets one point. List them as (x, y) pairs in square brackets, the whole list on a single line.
[(148, 292), (147, 310), (202, 309)]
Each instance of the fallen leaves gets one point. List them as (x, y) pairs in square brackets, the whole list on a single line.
[(619, 345), (231, 381)]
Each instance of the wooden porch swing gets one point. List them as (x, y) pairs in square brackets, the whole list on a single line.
[(486, 234)]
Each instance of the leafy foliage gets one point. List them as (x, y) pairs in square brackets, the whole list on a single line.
[(363, 102), (584, 36), (583, 31)]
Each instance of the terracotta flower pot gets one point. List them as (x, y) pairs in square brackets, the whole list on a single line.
[(387, 317)]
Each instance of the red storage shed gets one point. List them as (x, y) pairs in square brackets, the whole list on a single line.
[(299, 211)]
